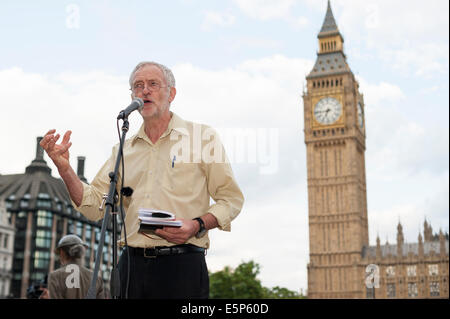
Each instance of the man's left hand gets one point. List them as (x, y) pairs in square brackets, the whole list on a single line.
[(179, 235)]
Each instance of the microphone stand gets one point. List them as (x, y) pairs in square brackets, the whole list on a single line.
[(110, 205)]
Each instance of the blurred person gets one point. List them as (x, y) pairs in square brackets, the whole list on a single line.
[(72, 280), (38, 290)]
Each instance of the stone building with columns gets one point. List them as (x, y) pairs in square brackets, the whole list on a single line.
[(40, 211)]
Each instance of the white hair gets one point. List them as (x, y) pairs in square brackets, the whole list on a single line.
[(168, 75)]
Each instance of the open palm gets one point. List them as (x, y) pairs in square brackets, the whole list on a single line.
[(59, 153)]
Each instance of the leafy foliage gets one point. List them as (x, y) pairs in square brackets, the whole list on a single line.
[(242, 283)]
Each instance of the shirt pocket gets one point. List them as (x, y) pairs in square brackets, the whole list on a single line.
[(178, 178)]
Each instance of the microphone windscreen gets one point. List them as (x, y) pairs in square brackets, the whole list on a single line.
[(139, 101)]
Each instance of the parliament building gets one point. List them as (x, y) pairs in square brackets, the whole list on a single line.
[(342, 264)]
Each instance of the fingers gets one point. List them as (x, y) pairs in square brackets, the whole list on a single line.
[(49, 140), (64, 148), (47, 137), (50, 132), (171, 230), (52, 141), (66, 137), (173, 234), (162, 233)]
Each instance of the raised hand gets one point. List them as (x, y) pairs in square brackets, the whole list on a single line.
[(59, 153)]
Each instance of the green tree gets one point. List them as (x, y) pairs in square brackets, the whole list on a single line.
[(242, 283), (282, 293)]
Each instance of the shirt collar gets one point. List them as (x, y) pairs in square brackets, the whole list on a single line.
[(176, 123)]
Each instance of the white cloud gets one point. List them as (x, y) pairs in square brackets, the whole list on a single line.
[(380, 93), (237, 43), (406, 165), (408, 36), (429, 90), (299, 22), (409, 145), (213, 19), (411, 210), (427, 60), (265, 9), (86, 103), (256, 93)]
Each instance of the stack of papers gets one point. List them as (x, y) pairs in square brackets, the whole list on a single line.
[(151, 219)]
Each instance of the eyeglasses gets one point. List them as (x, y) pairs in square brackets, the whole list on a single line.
[(152, 86)]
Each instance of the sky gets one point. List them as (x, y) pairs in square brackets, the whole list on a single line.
[(240, 67)]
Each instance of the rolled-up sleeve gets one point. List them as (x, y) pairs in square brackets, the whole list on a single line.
[(223, 188), (93, 193)]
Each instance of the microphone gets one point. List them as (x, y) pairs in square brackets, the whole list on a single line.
[(137, 103)]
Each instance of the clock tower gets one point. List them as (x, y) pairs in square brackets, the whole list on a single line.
[(335, 146)]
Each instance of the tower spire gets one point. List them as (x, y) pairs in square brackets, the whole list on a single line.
[(329, 24), (331, 59)]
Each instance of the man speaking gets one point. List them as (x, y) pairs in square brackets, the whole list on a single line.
[(169, 263)]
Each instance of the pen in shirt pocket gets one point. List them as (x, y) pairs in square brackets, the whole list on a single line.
[(173, 161)]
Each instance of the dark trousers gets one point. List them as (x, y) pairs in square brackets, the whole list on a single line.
[(182, 276)]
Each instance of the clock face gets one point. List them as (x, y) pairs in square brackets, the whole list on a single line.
[(327, 111), (360, 116)]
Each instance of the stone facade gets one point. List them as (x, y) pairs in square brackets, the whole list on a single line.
[(417, 270)]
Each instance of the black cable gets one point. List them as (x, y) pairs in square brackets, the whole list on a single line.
[(122, 210)]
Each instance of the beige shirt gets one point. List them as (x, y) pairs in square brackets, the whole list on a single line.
[(179, 173)]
